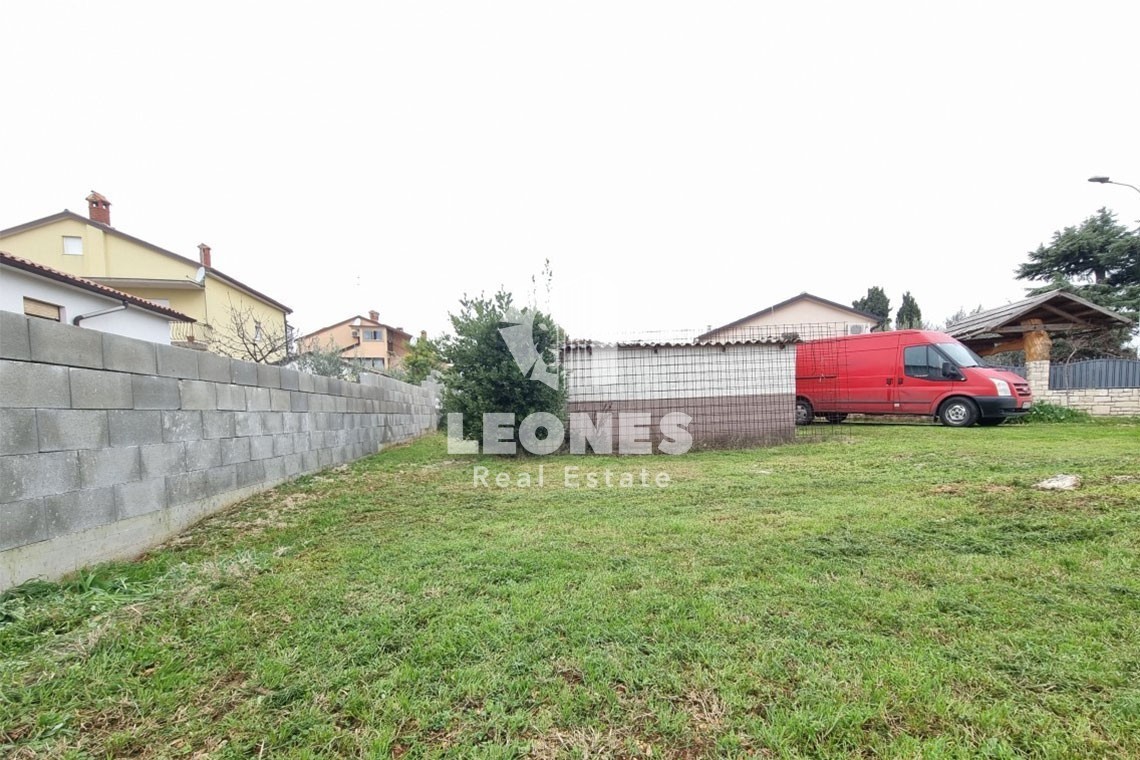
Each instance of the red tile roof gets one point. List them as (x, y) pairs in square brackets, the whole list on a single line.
[(65, 214), (8, 259)]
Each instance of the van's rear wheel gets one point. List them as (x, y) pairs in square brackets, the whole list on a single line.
[(804, 413), (958, 412)]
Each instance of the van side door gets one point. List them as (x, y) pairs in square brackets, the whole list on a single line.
[(869, 367), (920, 383)]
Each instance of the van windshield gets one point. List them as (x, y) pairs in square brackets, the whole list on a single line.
[(961, 355)]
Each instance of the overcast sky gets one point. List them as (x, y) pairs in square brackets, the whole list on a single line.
[(681, 165)]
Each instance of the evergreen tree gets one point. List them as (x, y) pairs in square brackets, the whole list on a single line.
[(1099, 261), (909, 316), (877, 303)]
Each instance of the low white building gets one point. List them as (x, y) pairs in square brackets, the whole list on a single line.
[(735, 393), (39, 291)]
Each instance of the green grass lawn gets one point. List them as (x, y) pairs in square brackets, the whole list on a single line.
[(893, 591)]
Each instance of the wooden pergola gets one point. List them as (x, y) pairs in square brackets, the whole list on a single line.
[(1027, 325)]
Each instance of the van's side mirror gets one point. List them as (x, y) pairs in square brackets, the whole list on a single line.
[(950, 372)]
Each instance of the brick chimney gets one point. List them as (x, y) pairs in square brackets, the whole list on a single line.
[(204, 255), (374, 316), (99, 208)]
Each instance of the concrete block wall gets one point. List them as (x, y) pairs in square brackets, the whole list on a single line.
[(110, 445), (1102, 402)]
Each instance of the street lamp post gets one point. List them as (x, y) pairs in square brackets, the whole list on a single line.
[(1107, 181)]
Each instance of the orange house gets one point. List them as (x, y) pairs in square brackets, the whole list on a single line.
[(366, 340)]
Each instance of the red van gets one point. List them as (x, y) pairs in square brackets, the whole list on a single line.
[(904, 372)]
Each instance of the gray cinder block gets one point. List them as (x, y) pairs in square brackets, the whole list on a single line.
[(294, 465), (250, 473), (272, 422), (290, 379), (261, 447), (27, 476), (213, 367), (217, 424), (125, 354), (221, 479), (282, 445), (155, 392), (163, 459), (247, 424), (96, 389), (26, 385), (14, 342), (140, 498), (18, 431), (299, 402), (63, 429), (132, 428), (181, 426), (257, 399), (279, 400), (230, 397), (177, 362), (197, 394), (23, 523), (305, 383), (274, 470), (79, 510), (235, 450), (55, 343), (243, 373), (185, 487), (107, 467), (202, 455), (268, 376)]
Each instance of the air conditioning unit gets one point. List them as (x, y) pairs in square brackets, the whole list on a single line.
[(356, 333), (855, 329)]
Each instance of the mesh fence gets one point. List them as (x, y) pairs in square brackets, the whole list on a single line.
[(727, 388)]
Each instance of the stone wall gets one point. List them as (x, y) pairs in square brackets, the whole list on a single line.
[(110, 445), (1109, 402)]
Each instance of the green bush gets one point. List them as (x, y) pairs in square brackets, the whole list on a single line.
[(1045, 412), (483, 376)]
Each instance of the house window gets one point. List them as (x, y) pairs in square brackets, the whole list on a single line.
[(373, 335), (72, 246), (42, 309)]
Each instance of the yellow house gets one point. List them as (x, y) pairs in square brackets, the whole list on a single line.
[(365, 340), (232, 318)]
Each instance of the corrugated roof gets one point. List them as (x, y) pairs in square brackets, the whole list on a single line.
[(9, 259), (583, 345), (1055, 307)]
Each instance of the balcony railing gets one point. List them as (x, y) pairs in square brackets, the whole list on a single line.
[(195, 334)]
